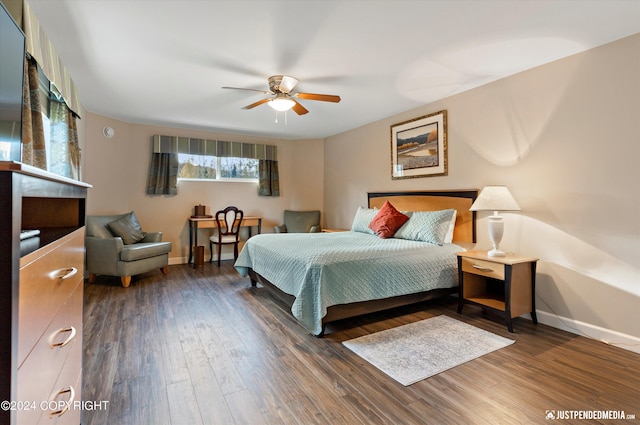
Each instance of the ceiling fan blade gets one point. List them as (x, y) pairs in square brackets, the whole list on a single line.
[(287, 84), (241, 88), (316, 96), (258, 103), (299, 109)]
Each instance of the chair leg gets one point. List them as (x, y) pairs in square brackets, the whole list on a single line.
[(126, 281), (219, 251), (211, 251), (92, 277), (235, 252)]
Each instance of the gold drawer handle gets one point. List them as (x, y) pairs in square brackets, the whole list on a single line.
[(481, 268), (72, 334), (63, 274), (65, 405)]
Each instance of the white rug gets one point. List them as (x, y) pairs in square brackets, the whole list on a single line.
[(416, 351)]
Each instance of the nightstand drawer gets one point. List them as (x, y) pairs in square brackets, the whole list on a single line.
[(483, 268)]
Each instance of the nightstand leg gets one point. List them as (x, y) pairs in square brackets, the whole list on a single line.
[(534, 317), (460, 284), (510, 324), (508, 270)]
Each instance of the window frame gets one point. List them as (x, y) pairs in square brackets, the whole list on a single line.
[(199, 147)]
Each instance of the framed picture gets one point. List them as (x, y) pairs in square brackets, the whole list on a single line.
[(419, 147)]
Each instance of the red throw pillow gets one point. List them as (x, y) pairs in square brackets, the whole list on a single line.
[(387, 221)]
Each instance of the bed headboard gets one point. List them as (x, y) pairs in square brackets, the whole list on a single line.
[(460, 200)]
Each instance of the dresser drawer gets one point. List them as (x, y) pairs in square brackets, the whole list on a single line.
[(46, 282), (61, 345), (483, 268), (66, 393)]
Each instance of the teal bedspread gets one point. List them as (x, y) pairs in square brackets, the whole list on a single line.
[(325, 269)]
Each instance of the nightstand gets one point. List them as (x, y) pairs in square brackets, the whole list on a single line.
[(504, 284), (334, 230)]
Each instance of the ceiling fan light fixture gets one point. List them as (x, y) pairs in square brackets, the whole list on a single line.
[(281, 103)]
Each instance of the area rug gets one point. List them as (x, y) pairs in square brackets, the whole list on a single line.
[(413, 352)]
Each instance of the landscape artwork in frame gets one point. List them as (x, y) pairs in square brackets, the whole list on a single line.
[(419, 147)]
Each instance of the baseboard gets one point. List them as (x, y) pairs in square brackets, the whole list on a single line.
[(177, 260), (608, 336)]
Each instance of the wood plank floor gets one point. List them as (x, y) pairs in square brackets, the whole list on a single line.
[(204, 347)]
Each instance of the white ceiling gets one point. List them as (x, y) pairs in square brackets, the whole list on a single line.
[(164, 62)]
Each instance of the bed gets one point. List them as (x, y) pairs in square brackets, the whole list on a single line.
[(331, 276)]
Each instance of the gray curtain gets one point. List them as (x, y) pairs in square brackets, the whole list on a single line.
[(163, 174), (268, 178), (33, 143)]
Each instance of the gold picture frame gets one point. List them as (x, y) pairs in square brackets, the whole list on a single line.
[(419, 147)]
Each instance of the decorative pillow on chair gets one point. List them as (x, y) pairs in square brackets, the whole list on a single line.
[(362, 219), (128, 229), (427, 226), (387, 221)]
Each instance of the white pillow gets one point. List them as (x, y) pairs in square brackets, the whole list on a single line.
[(426, 226), (448, 238), (362, 219)]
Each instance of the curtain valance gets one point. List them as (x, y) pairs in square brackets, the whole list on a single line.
[(42, 51), (218, 148)]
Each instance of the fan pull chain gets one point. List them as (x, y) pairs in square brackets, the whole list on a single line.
[(285, 117)]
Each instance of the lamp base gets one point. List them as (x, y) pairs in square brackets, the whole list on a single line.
[(496, 229)]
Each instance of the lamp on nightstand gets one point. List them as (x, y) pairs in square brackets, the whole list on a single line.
[(495, 198)]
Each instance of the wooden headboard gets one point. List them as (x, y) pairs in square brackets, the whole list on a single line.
[(460, 200)]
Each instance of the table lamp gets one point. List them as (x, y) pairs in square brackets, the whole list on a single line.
[(495, 198)]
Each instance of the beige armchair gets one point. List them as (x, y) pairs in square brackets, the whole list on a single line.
[(117, 246), (300, 222)]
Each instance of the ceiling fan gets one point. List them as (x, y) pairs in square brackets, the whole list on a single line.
[(281, 96)]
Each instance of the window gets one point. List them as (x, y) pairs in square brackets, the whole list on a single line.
[(202, 159)]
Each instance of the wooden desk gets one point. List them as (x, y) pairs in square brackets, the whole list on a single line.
[(210, 223)]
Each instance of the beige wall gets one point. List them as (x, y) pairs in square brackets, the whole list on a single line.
[(118, 167), (564, 137)]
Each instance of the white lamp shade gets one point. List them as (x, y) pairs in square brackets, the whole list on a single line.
[(495, 198)]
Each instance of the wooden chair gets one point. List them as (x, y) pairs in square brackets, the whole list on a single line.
[(228, 221)]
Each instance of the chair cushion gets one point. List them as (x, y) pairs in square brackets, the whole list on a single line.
[(128, 228), (225, 239), (139, 251), (301, 221)]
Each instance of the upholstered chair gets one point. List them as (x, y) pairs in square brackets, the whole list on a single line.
[(117, 246), (300, 222)]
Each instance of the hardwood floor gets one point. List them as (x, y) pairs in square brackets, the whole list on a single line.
[(204, 347)]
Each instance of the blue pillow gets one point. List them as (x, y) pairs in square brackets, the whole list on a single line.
[(362, 219), (426, 226)]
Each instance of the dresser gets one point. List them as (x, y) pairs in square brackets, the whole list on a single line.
[(41, 296)]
